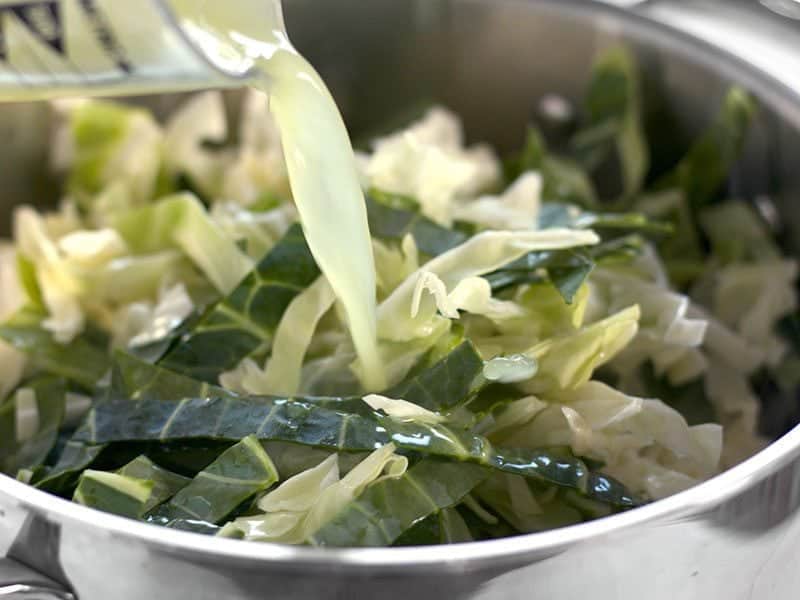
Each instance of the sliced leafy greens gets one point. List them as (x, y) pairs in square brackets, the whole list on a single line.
[(239, 473), (451, 381), (564, 180), (561, 341), (84, 360), (307, 502), (446, 527), (222, 416), (389, 508), (388, 220), (29, 423), (704, 169), (614, 120), (181, 221), (165, 483), (111, 492), (76, 457), (244, 322)]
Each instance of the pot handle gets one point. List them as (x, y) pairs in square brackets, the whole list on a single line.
[(18, 582)]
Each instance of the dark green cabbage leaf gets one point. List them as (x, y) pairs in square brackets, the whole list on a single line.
[(390, 507), (245, 321)]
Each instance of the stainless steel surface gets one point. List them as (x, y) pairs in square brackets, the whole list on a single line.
[(735, 537), (760, 34), (23, 583), (784, 8)]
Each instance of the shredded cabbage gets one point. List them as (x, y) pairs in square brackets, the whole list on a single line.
[(482, 254), (182, 222), (568, 361), (304, 503), (554, 351), (517, 208), (106, 144), (428, 161), (667, 336), (630, 435), (282, 373)]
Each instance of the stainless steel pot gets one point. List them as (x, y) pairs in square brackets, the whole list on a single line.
[(735, 537)]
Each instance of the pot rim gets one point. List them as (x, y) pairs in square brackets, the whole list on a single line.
[(485, 554)]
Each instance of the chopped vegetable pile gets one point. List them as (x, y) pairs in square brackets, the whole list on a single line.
[(567, 333)]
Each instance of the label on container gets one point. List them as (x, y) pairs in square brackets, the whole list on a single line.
[(81, 43)]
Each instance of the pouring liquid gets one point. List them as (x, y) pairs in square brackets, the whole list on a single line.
[(252, 39)]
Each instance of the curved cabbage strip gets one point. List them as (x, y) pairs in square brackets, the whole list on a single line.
[(304, 503), (92, 249), (200, 119), (478, 256), (58, 288), (516, 208), (568, 361), (300, 493), (133, 278), (428, 162), (402, 410), (544, 315), (282, 373), (472, 295), (182, 221)]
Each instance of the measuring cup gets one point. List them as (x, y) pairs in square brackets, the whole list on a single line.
[(52, 48)]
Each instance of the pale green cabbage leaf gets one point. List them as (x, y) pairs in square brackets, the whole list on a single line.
[(181, 222), (303, 504)]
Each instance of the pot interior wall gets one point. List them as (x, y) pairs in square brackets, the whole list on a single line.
[(494, 62)]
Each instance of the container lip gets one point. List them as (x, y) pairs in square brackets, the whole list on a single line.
[(234, 76), (434, 559), (477, 555)]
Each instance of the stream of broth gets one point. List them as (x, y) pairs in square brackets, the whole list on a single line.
[(250, 36)]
